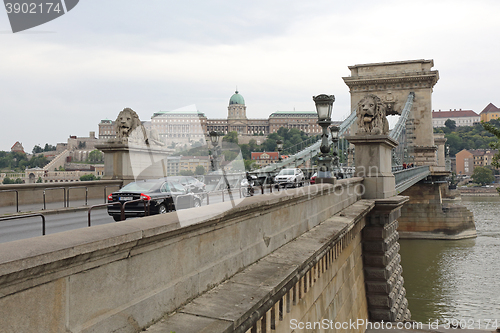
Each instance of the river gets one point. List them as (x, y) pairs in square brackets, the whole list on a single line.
[(460, 279)]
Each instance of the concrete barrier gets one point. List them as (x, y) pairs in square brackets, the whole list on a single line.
[(55, 192)]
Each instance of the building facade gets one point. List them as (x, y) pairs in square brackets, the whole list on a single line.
[(467, 160), (460, 117), (490, 112)]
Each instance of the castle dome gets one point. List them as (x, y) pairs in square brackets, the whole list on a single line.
[(236, 99)]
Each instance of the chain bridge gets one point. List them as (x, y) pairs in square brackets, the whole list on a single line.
[(317, 258)]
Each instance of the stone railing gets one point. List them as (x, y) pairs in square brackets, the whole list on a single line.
[(123, 277)]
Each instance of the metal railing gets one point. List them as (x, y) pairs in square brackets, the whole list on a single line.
[(24, 217), (17, 198), (54, 188), (75, 187), (408, 177)]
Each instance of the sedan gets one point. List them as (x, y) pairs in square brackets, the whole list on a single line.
[(149, 197), (313, 178)]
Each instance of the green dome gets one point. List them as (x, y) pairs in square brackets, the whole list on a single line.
[(236, 99)]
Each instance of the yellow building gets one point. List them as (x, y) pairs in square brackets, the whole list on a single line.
[(490, 112)]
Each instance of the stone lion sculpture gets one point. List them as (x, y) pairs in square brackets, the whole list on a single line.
[(371, 114), (128, 127)]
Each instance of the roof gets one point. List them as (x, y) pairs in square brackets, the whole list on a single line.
[(293, 113), (236, 99), (272, 155), (454, 114), (187, 110), (490, 108)]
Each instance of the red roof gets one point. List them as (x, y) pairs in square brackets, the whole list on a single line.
[(272, 154), (490, 108), (454, 114)]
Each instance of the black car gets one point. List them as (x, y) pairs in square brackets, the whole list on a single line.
[(161, 195)]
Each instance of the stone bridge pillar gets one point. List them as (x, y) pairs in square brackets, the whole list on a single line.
[(392, 82), (386, 295)]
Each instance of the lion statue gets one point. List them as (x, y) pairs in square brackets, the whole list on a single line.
[(128, 127), (371, 114)]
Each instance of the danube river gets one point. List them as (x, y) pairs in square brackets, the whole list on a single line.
[(447, 280)]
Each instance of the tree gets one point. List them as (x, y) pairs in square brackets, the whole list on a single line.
[(482, 175), (250, 165), (88, 177), (495, 144), (451, 124), (37, 149), (95, 156), (200, 170), (186, 173), (231, 137), (7, 180)]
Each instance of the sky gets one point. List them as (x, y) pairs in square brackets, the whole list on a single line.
[(63, 77)]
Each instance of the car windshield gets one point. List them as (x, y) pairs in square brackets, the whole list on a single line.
[(139, 187), (287, 172)]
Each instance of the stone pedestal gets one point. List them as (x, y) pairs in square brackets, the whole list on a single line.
[(385, 293), (374, 163), (132, 162)]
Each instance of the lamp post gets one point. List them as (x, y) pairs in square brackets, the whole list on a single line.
[(334, 130), (279, 147), (447, 158), (324, 106), (214, 138)]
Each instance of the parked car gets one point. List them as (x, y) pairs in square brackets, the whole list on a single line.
[(313, 178), (160, 194), (290, 177), (191, 183)]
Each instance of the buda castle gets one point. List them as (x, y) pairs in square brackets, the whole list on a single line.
[(190, 125)]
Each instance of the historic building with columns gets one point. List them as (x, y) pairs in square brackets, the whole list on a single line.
[(188, 125)]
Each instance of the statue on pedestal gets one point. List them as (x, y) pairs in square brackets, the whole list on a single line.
[(371, 114), (128, 128)]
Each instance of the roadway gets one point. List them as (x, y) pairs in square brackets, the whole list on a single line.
[(59, 218)]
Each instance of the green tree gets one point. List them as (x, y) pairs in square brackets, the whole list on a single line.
[(495, 144), (37, 149), (88, 177), (200, 170), (186, 173), (231, 137), (482, 175), (49, 147), (451, 124), (250, 165), (7, 180), (95, 156)]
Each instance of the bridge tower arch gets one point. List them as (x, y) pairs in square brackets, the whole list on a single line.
[(393, 82)]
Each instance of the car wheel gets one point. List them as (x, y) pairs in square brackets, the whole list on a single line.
[(196, 203), (162, 209), (117, 218)]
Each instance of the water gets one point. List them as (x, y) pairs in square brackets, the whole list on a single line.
[(460, 279)]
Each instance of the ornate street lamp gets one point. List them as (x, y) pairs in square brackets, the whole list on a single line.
[(214, 138), (334, 130), (324, 106), (279, 147)]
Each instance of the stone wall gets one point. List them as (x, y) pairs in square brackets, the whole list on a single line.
[(123, 277), (55, 192)]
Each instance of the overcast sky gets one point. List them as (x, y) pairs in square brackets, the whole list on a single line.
[(63, 77)]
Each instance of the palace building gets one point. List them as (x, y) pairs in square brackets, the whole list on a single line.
[(188, 125)]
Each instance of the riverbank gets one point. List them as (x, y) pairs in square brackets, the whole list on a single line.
[(478, 191)]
